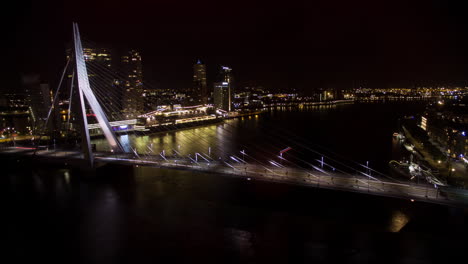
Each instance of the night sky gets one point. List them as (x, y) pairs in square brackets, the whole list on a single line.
[(277, 44)]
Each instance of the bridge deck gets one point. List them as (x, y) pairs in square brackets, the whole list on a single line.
[(251, 172)]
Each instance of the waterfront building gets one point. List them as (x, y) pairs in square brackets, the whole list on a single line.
[(15, 114), (199, 91), (446, 124), (171, 115), (222, 96), (223, 89), (133, 103)]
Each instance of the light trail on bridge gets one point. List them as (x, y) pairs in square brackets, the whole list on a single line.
[(288, 175)]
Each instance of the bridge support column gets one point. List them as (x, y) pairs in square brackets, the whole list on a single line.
[(84, 91)]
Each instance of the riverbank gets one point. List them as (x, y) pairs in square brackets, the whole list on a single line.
[(455, 178), (18, 138), (301, 104)]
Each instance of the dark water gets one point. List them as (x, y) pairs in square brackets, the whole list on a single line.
[(344, 133), (146, 215)]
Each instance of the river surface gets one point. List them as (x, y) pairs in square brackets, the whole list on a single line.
[(351, 133), (148, 215)]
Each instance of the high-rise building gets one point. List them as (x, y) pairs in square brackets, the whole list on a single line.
[(101, 68), (223, 91), (199, 92), (93, 56), (37, 98), (16, 113), (226, 75), (133, 101), (222, 96), (116, 77), (99, 55)]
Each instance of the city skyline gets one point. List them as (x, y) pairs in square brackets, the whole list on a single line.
[(235, 132), (200, 89), (292, 46)]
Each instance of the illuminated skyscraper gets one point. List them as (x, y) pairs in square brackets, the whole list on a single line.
[(98, 55), (226, 75), (93, 56), (117, 78), (222, 96), (100, 64), (223, 91), (199, 93), (133, 101)]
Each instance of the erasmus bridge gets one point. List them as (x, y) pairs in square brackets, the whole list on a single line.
[(320, 171)]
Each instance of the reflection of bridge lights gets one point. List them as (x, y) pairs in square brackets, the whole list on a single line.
[(399, 220)]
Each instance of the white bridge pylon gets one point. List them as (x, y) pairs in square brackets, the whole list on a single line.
[(85, 89)]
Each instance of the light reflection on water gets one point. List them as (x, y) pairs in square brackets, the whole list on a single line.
[(216, 137), (103, 221), (340, 129), (240, 240), (66, 175), (398, 221)]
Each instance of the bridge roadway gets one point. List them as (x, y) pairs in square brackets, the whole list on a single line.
[(256, 172)]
